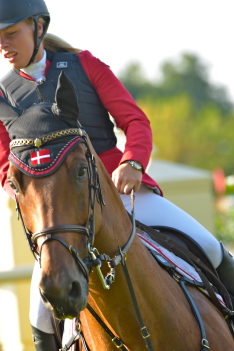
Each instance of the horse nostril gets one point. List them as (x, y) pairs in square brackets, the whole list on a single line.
[(44, 299), (75, 290)]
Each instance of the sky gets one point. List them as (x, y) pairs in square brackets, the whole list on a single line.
[(150, 32)]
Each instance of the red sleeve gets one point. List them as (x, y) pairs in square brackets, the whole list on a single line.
[(121, 106), (4, 162)]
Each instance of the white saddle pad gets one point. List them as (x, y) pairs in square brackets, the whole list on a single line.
[(182, 267)]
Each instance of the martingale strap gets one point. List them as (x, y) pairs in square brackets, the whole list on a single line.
[(144, 332), (121, 258), (204, 342), (183, 282), (117, 341), (198, 265)]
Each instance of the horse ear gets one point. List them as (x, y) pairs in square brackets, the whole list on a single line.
[(65, 98), (8, 113)]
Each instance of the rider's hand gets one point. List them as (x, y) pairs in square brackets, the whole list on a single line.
[(126, 178)]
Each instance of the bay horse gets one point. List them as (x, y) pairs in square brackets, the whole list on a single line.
[(68, 204)]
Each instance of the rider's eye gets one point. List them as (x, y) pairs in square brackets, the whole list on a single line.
[(81, 172)]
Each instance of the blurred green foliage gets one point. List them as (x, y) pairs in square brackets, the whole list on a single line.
[(224, 225), (192, 119), (188, 75), (230, 185)]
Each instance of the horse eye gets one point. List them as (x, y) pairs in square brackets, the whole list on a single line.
[(81, 172), (13, 186)]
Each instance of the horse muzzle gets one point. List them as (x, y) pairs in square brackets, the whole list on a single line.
[(65, 299)]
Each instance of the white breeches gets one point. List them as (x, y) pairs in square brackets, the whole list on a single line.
[(150, 209)]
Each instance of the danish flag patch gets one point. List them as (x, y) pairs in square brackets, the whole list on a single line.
[(39, 157)]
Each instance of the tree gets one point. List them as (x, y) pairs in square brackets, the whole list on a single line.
[(203, 139), (133, 78), (190, 76), (187, 76)]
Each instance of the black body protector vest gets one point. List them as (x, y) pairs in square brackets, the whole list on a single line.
[(93, 116)]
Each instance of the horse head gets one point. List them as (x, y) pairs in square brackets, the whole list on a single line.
[(53, 174), (57, 180)]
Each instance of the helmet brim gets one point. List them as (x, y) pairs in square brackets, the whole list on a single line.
[(11, 22)]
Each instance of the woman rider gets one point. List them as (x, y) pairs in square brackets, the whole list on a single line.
[(36, 59)]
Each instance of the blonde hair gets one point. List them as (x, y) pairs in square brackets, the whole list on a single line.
[(53, 43)]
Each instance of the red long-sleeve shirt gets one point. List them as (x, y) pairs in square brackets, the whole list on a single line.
[(121, 106)]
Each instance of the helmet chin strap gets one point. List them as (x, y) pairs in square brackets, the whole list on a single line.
[(35, 51), (37, 39)]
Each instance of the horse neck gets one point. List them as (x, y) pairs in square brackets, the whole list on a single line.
[(111, 219), (115, 225)]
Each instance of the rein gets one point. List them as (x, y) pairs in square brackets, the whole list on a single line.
[(94, 259), (121, 258)]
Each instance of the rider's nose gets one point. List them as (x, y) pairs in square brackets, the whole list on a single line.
[(3, 43)]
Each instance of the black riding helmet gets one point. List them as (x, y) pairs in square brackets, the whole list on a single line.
[(15, 11)]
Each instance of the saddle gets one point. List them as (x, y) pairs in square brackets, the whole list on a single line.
[(187, 249), (190, 251)]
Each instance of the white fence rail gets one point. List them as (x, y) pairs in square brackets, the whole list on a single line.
[(18, 273)]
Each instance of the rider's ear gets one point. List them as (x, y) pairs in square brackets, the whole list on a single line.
[(40, 28), (66, 103)]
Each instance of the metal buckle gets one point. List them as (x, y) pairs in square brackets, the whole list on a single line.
[(93, 251), (205, 343), (144, 332), (117, 342)]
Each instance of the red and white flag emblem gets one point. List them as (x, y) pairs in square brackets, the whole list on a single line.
[(39, 157)]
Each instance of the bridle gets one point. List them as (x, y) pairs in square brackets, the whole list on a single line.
[(50, 234), (93, 259), (88, 230)]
